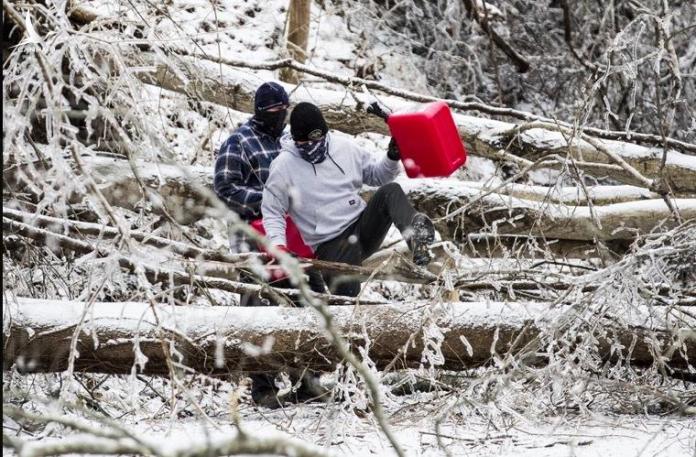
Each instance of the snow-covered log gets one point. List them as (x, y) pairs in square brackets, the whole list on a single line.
[(458, 207), (568, 195), (235, 89), (217, 340), (180, 190), (460, 210)]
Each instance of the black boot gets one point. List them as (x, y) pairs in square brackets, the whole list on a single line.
[(422, 237), (264, 391)]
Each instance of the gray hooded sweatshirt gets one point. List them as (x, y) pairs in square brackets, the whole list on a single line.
[(322, 199)]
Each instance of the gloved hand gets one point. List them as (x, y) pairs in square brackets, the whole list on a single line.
[(393, 150), (376, 109)]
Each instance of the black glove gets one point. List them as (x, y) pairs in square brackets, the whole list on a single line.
[(376, 109), (393, 150)]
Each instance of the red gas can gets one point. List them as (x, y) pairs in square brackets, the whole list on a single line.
[(428, 140), (296, 244)]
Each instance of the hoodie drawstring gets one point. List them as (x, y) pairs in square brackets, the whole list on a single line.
[(332, 159)]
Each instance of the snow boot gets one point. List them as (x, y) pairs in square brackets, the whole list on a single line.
[(267, 399), (422, 237), (264, 391)]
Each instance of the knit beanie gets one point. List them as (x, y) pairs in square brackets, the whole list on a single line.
[(270, 95), (307, 123)]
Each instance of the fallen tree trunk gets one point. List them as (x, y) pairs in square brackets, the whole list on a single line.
[(179, 187), (235, 89), (459, 209), (219, 340)]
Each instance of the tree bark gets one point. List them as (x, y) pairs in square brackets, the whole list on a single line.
[(220, 340), (297, 37)]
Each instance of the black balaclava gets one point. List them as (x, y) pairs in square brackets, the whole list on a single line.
[(268, 96)]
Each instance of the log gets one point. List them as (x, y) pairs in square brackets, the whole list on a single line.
[(184, 191), (484, 137), (458, 214), (220, 340)]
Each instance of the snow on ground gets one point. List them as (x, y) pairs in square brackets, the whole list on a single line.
[(600, 436), (142, 405)]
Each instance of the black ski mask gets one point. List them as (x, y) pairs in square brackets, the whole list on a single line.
[(271, 122)]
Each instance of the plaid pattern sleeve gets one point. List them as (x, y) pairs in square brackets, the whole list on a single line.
[(241, 168)]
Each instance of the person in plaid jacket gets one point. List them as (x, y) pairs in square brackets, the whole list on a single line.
[(243, 160)]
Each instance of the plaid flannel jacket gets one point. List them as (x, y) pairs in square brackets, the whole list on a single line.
[(241, 169)]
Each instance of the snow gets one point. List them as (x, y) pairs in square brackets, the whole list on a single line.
[(205, 320), (603, 436), (252, 31), (341, 433)]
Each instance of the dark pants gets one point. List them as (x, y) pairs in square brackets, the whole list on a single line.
[(239, 243), (263, 382), (362, 239)]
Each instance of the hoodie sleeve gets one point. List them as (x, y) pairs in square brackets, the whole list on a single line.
[(377, 172), (275, 204)]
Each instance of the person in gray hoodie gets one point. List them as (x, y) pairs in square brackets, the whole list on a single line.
[(316, 180)]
